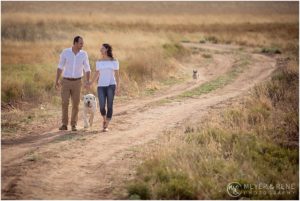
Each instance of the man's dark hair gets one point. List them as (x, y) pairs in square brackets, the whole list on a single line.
[(76, 39)]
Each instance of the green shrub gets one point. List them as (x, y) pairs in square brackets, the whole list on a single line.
[(271, 50), (212, 39), (139, 190), (179, 187), (175, 50)]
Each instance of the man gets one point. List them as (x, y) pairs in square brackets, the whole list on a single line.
[(72, 63)]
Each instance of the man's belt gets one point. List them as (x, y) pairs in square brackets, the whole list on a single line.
[(72, 79)]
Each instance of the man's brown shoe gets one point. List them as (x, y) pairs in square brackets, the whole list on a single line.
[(63, 128), (74, 128)]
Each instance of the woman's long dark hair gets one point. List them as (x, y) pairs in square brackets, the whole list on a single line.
[(109, 50)]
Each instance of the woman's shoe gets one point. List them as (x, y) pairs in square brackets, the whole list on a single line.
[(105, 124)]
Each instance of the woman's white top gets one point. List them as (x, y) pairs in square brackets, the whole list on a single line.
[(106, 69)]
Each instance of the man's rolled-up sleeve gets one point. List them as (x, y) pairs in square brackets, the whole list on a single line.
[(62, 61), (86, 64)]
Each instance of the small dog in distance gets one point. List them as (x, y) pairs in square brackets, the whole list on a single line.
[(195, 74)]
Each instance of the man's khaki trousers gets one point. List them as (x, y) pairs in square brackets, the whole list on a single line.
[(70, 88)]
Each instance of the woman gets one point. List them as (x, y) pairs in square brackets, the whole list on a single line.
[(107, 73)]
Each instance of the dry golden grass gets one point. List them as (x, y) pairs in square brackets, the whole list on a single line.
[(34, 33), (251, 142)]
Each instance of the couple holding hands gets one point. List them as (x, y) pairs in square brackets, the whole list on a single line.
[(73, 61)]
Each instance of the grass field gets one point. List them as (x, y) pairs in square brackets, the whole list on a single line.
[(145, 36)]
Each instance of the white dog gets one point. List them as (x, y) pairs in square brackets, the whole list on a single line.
[(89, 109)]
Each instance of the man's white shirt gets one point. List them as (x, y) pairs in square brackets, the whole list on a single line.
[(73, 65)]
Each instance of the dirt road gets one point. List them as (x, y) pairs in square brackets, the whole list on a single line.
[(89, 164)]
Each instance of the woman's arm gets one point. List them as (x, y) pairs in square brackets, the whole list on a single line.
[(96, 76), (118, 81)]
